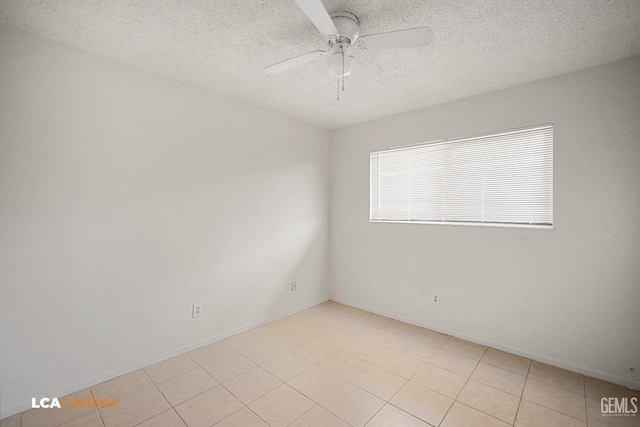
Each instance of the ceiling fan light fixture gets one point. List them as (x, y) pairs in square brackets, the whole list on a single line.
[(341, 31), (335, 64)]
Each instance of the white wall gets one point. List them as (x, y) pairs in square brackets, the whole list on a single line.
[(124, 198), (570, 297)]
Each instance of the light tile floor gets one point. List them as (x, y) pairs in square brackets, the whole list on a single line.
[(336, 366)]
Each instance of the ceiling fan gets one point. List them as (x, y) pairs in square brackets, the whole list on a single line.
[(342, 31)]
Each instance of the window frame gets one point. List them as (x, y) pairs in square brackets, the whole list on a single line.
[(471, 223)]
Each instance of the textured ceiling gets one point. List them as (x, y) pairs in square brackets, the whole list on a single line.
[(222, 46)]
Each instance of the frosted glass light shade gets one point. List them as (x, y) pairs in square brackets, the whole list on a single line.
[(334, 65)]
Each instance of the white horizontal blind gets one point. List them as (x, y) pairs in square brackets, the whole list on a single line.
[(498, 179)]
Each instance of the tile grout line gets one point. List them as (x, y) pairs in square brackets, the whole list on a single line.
[(74, 418), (562, 387), (301, 415), (509, 370), (469, 379), (166, 400), (252, 411), (235, 412), (462, 388), (586, 407), (489, 415), (335, 415), (153, 416), (247, 404), (99, 414), (171, 405), (176, 376), (347, 381), (375, 413), (551, 409), (557, 412), (522, 392), (380, 367)]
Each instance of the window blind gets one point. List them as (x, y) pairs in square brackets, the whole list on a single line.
[(499, 179)]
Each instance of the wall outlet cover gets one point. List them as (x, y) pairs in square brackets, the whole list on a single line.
[(196, 310), (435, 298)]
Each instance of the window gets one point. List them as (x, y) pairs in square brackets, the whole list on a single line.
[(498, 179)]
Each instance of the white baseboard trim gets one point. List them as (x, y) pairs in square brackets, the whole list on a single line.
[(7, 412), (529, 355)]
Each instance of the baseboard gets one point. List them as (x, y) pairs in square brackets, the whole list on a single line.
[(519, 352), (4, 413)]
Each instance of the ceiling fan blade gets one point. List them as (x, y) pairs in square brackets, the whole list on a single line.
[(355, 82), (415, 37), (315, 11), (294, 62)]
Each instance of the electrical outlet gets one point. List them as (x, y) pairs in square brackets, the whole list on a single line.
[(196, 310), (435, 298), (294, 286), (346, 283)]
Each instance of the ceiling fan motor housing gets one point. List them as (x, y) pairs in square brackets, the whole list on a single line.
[(347, 25)]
